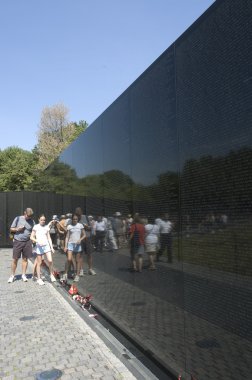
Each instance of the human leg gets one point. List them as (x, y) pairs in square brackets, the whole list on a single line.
[(14, 266), (24, 265), (151, 260), (162, 246), (13, 270), (78, 262), (49, 261), (34, 269), (17, 251), (133, 259), (169, 248), (26, 254), (69, 261), (38, 266), (140, 263)]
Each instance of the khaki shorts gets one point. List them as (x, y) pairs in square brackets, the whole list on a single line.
[(151, 248)]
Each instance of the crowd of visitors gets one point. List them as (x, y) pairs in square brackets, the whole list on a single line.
[(78, 235)]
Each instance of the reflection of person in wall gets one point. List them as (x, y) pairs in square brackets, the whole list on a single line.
[(86, 243), (100, 233), (61, 226), (111, 240), (118, 227), (223, 220), (151, 241), (129, 221), (83, 221), (54, 230), (165, 237), (137, 232)]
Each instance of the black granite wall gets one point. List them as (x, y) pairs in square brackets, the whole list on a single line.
[(179, 140)]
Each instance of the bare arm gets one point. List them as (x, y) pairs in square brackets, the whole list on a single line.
[(66, 240), (33, 236), (49, 240)]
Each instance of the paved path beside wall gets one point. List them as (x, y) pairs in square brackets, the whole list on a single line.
[(40, 331)]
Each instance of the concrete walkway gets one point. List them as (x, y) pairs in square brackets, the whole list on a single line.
[(185, 315), (40, 331)]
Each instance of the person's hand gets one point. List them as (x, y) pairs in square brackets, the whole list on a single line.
[(52, 250), (65, 249), (20, 228)]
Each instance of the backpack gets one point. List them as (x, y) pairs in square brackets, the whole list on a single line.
[(11, 234)]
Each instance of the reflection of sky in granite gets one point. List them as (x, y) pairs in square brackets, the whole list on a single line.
[(181, 108), (146, 176)]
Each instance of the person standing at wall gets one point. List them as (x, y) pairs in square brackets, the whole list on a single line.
[(22, 227), (41, 237)]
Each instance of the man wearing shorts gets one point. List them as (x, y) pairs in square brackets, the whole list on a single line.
[(21, 228)]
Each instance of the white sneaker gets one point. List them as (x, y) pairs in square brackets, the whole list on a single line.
[(76, 278), (11, 279), (92, 272), (53, 279), (81, 272), (64, 277), (40, 282), (24, 278)]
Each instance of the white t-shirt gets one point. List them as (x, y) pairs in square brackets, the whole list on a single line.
[(151, 233), (74, 232), (100, 226), (41, 234), (165, 227)]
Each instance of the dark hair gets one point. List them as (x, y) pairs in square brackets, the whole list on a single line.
[(75, 215), (137, 219)]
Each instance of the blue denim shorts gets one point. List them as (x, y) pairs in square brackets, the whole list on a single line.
[(74, 247), (42, 249)]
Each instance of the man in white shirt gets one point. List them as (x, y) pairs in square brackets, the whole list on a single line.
[(165, 226), (100, 233)]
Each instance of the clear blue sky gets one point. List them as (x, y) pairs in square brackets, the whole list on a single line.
[(83, 53)]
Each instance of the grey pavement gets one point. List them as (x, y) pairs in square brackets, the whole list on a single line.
[(185, 315), (40, 330)]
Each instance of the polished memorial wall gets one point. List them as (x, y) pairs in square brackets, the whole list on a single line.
[(179, 140)]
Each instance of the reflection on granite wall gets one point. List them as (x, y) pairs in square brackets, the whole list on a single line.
[(179, 140)]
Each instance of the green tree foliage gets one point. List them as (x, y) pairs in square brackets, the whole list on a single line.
[(76, 129), (58, 177), (55, 133), (17, 167)]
